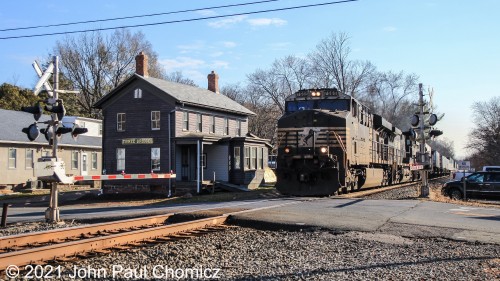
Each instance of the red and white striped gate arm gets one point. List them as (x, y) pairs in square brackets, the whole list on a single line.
[(124, 177)]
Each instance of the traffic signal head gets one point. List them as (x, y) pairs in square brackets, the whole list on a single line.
[(35, 110), (57, 109), (32, 132), (77, 131)]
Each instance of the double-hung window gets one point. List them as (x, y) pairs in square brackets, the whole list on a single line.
[(199, 120), (212, 124), (185, 121), (12, 158), (155, 120), (155, 159), (28, 161), (237, 158), (94, 160), (74, 160), (120, 122), (120, 159), (138, 94), (226, 126)]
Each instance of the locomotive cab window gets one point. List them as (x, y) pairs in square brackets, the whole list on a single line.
[(339, 105), (354, 109)]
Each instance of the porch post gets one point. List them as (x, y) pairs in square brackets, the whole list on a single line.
[(198, 158)]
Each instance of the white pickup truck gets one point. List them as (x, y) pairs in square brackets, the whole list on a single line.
[(458, 175)]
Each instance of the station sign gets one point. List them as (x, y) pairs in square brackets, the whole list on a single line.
[(416, 167), (137, 141)]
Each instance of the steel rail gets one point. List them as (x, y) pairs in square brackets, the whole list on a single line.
[(22, 240), (69, 249)]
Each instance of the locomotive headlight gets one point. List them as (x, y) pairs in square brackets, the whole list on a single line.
[(287, 150), (323, 149)]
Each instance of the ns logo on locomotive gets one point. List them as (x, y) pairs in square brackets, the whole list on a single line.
[(329, 142)]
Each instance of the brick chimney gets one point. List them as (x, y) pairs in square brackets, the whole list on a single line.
[(213, 82), (141, 64)]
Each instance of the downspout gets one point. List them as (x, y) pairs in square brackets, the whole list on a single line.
[(170, 152), (198, 148)]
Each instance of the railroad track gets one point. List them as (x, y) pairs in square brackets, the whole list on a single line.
[(70, 244), (378, 189)]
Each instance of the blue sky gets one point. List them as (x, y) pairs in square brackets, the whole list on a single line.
[(452, 45)]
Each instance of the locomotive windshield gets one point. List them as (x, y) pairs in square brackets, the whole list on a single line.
[(292, 106)]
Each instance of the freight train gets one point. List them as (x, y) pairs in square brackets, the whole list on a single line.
[(330, 142)]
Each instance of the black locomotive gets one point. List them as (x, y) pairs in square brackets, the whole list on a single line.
[(329, 142)]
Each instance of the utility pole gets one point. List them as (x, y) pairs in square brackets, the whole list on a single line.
[(424, 186)]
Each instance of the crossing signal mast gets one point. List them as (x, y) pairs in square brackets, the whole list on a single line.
[(423, 129), (50, 167)]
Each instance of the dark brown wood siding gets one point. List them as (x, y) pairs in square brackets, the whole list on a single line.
[(137, 126)]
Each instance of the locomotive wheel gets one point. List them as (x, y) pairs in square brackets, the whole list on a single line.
[(344, 190)]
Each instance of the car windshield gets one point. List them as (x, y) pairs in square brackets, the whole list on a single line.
[(292, 106), (476, 178)]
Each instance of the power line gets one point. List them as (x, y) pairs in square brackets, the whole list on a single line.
[(179, 21), (140, 16)]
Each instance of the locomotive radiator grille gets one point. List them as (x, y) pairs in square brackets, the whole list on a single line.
[(323, 136)]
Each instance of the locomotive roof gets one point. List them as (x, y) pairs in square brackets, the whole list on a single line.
[(326, 93)]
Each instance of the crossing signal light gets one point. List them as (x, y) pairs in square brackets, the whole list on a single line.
[(35, 110), (48, 133), (57, 109), (435, 133), (63, 130), (32, 132), (78, 131)]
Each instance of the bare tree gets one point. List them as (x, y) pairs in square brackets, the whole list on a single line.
[(484, 139), (444, 146), (95, 63), (333, 68), (391, 95), (178, 77), (286, 76)]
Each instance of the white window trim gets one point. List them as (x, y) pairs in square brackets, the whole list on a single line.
[(92, 161), (120, 121), (159, 158), (138, 93), (119, 168), (73, 154), (26, 159), (153, 114), (9, 158), (185, 121)]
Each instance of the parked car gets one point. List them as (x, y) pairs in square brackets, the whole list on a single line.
[(491, 168), (458, 175), (478, 184)]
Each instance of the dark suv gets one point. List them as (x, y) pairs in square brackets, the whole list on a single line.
[(479, 184)]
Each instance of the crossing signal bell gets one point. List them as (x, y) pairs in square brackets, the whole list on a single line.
[(57, 109)]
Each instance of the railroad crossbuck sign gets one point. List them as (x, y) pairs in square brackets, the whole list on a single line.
[(463, 165)]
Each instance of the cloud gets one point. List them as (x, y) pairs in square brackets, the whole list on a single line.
[(389, 29), (224, 23), (218, 64), (197, 45), (267, 22), (181, 63), (229, 44), (216, 54)]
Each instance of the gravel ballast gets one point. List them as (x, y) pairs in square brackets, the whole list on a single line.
[(248, 254)]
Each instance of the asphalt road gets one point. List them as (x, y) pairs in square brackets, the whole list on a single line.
[(410, 217), (402, 217)]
